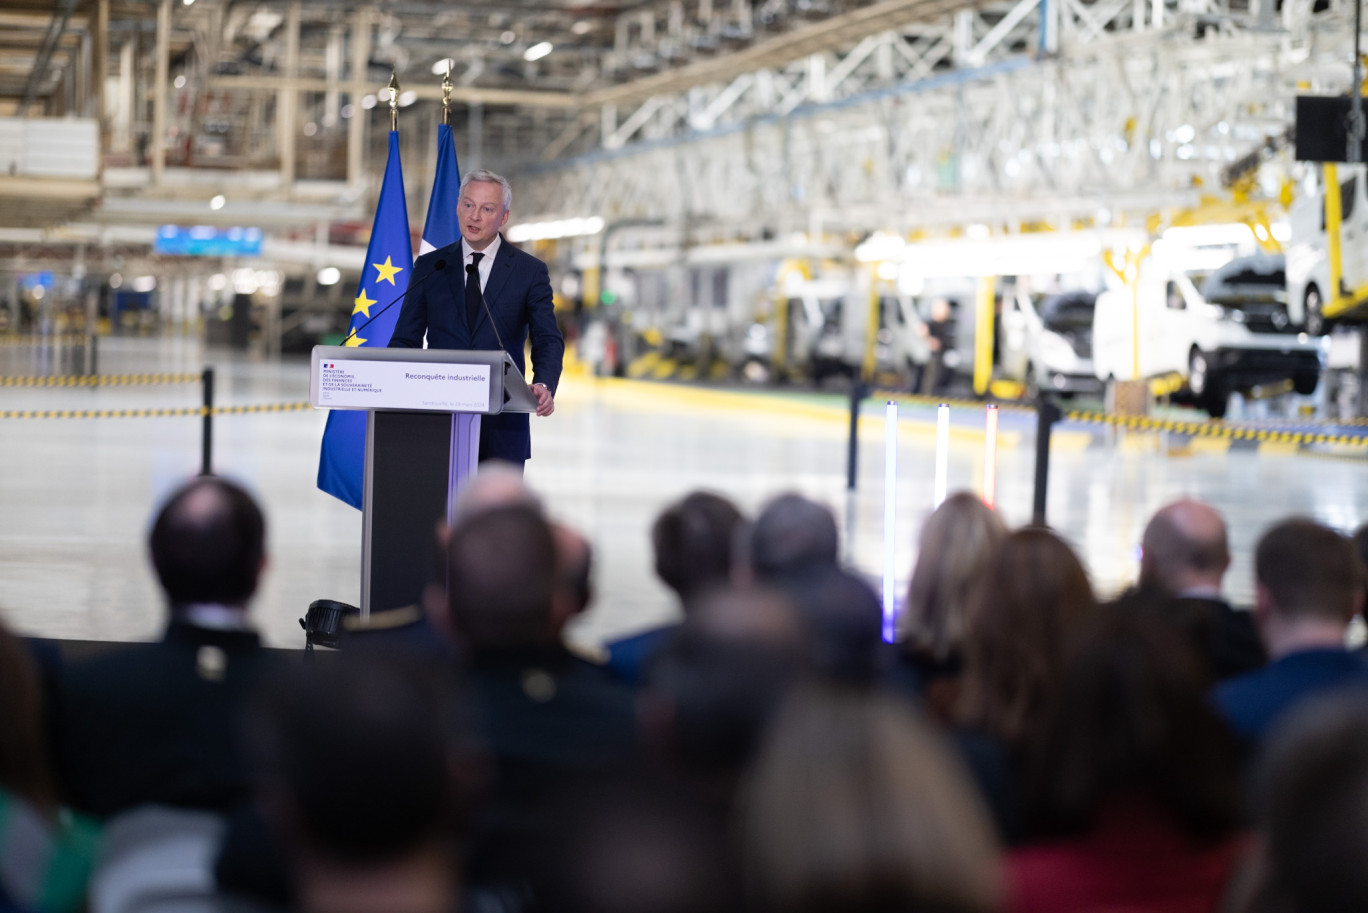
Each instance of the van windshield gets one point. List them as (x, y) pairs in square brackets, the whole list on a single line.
[(1068, 313), (1241, 283)]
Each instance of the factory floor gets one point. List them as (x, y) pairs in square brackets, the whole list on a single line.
[(77, 493)]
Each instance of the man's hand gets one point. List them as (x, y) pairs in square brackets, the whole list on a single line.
[(546, 403)]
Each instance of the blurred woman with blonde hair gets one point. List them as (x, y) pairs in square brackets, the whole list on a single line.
[(956, 543), (854, 804)]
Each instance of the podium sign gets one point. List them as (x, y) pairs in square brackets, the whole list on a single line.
[(422, 443), (397, 385)]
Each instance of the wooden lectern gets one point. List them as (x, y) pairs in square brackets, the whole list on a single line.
[(422, 443)]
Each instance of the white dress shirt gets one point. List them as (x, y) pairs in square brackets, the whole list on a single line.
[(486, 262)]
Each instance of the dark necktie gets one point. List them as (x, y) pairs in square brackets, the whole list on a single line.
[(473, 290)]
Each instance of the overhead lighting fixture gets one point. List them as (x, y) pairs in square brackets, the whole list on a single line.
[(582, 27), (179, 82), (509, 37), (407, 97), (443, 67), (329, 275), (218, 202), (368, 102), (558, 228), (537, 51)]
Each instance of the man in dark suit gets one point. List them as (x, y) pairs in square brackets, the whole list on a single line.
[(481, 276), (552, 721), (1307, 588), (1185, 554), (158, 722)]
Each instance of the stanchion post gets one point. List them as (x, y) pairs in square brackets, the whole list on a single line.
[(92, 365), (890, 519), (207, 440), (1047, 413), (858, 391)]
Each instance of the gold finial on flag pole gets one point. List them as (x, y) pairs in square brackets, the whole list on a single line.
[(446, 96), (394, 100)]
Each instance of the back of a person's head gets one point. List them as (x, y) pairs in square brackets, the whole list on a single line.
[(1183, 540), (495, 484), (1311, 798), (1308, 570), (693, 540), (362, 759), (1130, 718), (955, 544), (1033, 592), (853, 804), (208, 544), (24, 769), (842, 621), (792, 534), (713, 687), (502, 578)]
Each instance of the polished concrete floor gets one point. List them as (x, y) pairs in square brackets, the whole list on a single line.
[(77, 494)]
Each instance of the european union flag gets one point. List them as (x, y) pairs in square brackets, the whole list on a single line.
[(389, 259), (441, 227)]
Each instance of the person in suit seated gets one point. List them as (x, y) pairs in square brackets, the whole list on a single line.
[(157, 722), (552, 722), (1185, 557), (1307, 589), (490, 295), (693, 541)]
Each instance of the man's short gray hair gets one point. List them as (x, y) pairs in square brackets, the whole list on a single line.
[(485, 176)]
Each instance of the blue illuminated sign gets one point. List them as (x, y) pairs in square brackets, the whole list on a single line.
[(207, 241)]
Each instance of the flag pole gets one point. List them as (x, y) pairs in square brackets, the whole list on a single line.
[(446, 97), (394, 101)]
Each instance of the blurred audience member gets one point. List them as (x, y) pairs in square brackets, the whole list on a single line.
[(157, 723), (635, 847), (842, 621), (364, 773), (1307, 589), (693, 540), (853, 805), (1311, 798), (792, 535), (496, 483), (1185, 555), (953, 552), (1132, 780), (45, 853), (1032, 594), (550, 719), (711, 691)]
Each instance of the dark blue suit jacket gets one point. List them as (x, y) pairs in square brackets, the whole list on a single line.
[(519, 296)]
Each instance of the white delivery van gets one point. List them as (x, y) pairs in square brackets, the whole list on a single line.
[(1218, 330), (1046, 343), (827, 325), (1308, 252)]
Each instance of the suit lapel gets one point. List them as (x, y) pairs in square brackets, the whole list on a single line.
[(498, 275)]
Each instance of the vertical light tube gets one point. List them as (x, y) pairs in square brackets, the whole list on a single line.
[(942, 452), (890, 607), (990, 424)]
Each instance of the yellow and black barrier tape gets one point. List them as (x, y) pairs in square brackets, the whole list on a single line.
[(1218, 430), (101, 380), (199, 411), (66, 339)]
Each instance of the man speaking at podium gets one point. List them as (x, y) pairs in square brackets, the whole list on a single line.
[(484, 293)]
